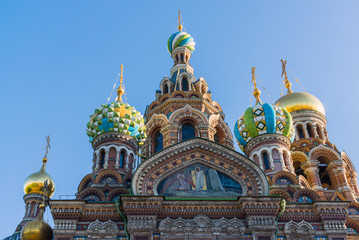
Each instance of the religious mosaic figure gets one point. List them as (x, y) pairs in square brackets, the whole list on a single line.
[(199, 179)]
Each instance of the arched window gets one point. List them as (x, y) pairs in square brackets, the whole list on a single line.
[(122, 159), (188, 131), (184, 84), (324, 173), (165, 88), (158, 139), (266, 160), (297, 169), (102, 158), (300, 131), (310, 130), (216, 138), (182, 57)]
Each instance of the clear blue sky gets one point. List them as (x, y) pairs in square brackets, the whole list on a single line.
[(59, 61)]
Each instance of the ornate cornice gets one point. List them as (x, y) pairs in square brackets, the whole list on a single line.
[(114, 136), (303, 115)]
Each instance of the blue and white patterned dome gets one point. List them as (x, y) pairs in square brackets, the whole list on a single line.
[(180, 39), (262, 119)]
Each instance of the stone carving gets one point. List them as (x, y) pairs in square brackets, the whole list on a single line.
[(201, 224), (301, 230), (108, 225)]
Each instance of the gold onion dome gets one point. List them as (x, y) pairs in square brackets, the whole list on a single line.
[(35, 183), (37, 229), (300, 101)]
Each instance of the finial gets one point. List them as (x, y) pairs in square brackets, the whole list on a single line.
[(256, 91), (179, 21), (120, 89), (47, 145), (44, 159), (287, 83)]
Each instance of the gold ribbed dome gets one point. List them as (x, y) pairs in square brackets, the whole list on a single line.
[(295, 101), (35, 182), (37, 229)]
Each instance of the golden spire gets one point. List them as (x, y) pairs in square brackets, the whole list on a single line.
[(120, 89), (287, 83), (256, 91), (179, 21)]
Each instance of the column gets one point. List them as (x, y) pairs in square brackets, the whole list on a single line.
[(315, 131), (105, 165), (127, 161), (270, 158), (117, 163), (311, 171), (97, 161), (284, 166), (305, 131)]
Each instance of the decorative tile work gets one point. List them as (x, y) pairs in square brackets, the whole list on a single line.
[(262, 119), (117, 117)]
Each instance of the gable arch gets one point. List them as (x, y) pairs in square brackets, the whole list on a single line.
[(188, 112), (156, 121), (230, 162), (85, 181), (323, 151), (298, 156)]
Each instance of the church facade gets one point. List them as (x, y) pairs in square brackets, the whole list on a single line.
[(174, 173)]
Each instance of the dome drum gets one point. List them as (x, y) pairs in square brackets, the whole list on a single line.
[(113, 137), (309, 115), (267, 140)]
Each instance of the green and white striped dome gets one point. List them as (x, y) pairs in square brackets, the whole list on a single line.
[(117, 117)]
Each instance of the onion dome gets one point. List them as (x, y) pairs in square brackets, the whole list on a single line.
[(262, 119), (35, 183), (295, 101), (37, 229), (117, 117), (180, 39)]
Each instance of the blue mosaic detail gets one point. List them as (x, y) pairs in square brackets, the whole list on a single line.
[(305, 199)]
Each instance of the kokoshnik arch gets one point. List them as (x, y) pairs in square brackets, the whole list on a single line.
[(190, 183)]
